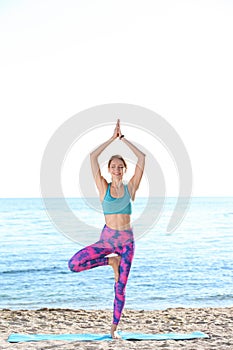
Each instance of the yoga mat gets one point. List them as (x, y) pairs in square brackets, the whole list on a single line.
[(15, 337)]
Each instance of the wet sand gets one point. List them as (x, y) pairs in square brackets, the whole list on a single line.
[(215, 322)]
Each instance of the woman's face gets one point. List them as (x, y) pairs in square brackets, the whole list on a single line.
[(116, 168)]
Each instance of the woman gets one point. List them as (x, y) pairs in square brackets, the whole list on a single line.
[(117, 235)]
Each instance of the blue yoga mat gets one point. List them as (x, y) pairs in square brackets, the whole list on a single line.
[(15, 337)]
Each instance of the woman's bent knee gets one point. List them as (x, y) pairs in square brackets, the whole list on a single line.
[(72, 267)]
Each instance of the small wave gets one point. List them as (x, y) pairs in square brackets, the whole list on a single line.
[(156, 298), (228, 214), (29, 270), (215, 297)]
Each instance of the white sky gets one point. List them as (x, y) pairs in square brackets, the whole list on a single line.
[(60, 57)]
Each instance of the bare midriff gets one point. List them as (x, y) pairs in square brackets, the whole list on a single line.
[(118, 221)]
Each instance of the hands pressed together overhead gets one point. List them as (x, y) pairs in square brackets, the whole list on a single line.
[(117, 131)]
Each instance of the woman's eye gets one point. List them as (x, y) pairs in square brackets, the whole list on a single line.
[(114, 167)]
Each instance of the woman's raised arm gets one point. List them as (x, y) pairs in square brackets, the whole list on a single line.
[(100, 181), (136, 178)]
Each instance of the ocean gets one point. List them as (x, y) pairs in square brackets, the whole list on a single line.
[(191, 267)]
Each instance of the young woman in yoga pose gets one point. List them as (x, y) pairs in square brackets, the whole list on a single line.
[(117, 235)]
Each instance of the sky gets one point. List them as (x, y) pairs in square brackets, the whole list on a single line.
[(59, 58)]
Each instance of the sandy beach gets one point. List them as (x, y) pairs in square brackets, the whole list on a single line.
[(215, 322)]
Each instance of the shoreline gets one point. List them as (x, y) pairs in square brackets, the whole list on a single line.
[(217, 323)]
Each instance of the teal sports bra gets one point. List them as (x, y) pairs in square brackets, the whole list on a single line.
[(120, 205)]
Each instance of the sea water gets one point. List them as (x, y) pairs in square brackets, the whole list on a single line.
[(191, 267)]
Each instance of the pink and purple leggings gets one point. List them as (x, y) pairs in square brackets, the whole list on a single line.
[(111, 241)]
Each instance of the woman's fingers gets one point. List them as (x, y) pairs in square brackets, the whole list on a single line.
[(117, 130)]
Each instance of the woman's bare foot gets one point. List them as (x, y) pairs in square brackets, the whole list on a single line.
[(114, 333), (115, 261)]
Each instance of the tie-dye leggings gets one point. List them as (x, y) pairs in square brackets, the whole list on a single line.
[(111, 241)]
